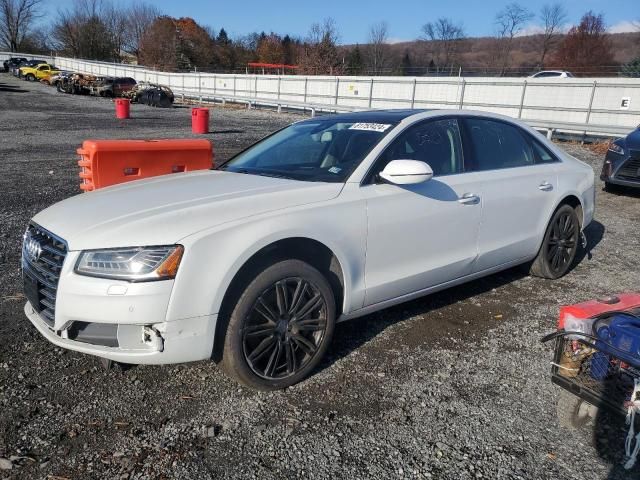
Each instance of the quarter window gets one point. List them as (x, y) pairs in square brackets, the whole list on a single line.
[(497, 145), (436, 142), (541, 154)]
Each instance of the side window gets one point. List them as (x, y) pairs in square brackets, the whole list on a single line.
[(497, 145), (541, 154), (436, 142)]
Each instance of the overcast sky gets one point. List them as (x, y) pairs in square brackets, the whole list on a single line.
[(353, 17)]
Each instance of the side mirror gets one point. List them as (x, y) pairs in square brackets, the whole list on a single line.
[(406, 172)]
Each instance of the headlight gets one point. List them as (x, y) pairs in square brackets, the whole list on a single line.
[(615, 148), (136, 264)]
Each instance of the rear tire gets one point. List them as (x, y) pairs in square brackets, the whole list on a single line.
[(280, 326), (559, 246)]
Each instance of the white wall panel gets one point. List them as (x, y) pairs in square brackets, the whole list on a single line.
[(560, 100)]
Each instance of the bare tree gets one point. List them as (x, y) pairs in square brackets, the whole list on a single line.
[(320, 55), (140, 17), (377, 51), (16, 20), (444, 38), (83, 31), (116, 21), (327, 30), (553, 17), (509, 22)]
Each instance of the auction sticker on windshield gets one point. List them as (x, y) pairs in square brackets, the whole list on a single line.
[(372, 127)]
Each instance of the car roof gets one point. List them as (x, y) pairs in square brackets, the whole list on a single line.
[(371, 116)]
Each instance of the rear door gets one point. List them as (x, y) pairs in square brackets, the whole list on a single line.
[(519, 185)]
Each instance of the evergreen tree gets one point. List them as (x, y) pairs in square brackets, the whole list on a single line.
[(632, 69), (223, 38), (355, 64), (406, 65)]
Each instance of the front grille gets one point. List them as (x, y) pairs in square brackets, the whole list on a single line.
[(43, 255), (631, 168)]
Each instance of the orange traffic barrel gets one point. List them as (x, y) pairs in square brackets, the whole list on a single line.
[(110, 162), (200, 120), (122, 108)]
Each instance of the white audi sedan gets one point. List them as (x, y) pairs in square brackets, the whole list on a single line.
[(330, 218)]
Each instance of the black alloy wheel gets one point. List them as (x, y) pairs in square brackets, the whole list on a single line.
[(285, 328), (280, 324), (560, 245)]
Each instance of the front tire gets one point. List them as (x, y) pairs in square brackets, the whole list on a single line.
[(572, 412), (280, 327), (30, 77), (559, 246)]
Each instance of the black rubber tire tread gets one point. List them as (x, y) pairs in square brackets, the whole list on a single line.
[(233, 361), (567, 410), (540, 266)]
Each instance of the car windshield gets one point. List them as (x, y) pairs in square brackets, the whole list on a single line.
[(326, 150)]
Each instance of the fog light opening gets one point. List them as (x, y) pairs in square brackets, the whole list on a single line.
[(151, 337)]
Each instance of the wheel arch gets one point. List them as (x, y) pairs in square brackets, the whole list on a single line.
[(571, 199), (315, 252), (574, 201)]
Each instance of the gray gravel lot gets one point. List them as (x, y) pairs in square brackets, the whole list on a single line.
[(451, 386)]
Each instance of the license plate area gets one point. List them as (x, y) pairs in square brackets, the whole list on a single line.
[(32, 291)]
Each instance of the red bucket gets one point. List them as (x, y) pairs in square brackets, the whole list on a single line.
[(122, 108), (200, 120)]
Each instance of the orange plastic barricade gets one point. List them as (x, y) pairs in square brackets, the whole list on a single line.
[(109, 162)]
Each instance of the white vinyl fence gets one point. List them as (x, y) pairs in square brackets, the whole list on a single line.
[(606, 106)]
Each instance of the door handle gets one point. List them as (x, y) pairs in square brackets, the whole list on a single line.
[(545, 187), (469, 199)]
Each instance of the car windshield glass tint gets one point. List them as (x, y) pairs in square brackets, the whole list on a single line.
[(316, 151)]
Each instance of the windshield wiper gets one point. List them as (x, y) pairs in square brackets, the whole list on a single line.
[(261, 173), (274, 175)]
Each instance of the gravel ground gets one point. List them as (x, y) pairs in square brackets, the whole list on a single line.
[(451, 386)]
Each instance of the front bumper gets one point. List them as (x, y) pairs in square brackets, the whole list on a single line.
[(178, 341), (619, 170)]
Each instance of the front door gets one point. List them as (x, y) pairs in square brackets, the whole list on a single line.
[(426, 234)]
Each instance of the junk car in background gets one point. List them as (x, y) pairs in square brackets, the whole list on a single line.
[(42, 71), (17, 69), (112, 87), (12, 62), (77, 83), (151, 94), (58, 77)]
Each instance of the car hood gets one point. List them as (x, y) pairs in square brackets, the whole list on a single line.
[(633, 139), (164, 210)]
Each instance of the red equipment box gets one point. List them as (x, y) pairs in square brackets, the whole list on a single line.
[(592, 308), (109, 162)]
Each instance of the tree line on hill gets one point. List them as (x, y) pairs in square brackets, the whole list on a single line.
[(102, 30)]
